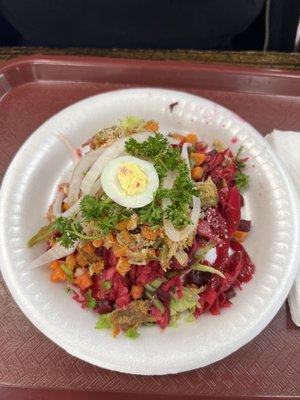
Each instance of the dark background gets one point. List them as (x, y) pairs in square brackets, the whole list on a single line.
[(149, 24)]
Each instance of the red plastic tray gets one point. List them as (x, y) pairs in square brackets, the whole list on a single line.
[(31, 366)]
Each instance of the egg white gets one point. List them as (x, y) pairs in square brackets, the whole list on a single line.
[(113, 189)]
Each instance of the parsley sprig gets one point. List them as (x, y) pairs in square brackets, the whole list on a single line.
[(181, 196), (103, 212), (157, 150), (69, 231), (241, 179)]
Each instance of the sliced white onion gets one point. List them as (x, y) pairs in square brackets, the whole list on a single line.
[(55, 253), (109, 153), (72, 149), (170, 230), (211, 255), (58, 203), (73, 209), (97, 186), (185, 154), (82, 166), (176, 235)]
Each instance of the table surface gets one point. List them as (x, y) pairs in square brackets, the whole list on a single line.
[(267, 60), (251, 58)]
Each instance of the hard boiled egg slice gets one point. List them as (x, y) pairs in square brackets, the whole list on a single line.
[(129, 181)]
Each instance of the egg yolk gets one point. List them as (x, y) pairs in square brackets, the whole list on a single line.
[(132, 179)]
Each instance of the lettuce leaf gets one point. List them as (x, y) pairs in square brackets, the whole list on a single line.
[(104, 322), (131, 122), (188, 301)]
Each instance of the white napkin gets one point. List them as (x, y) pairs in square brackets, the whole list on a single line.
[(286, 145)]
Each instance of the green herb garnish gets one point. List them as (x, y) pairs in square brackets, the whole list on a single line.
[(181, 196), (241, 179), (106, 285), (132, 333), (157, 150), (104, 212), (70, 231), (91, 302), (104, 322)]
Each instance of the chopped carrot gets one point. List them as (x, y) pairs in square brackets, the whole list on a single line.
[(54, 265), (240, 236), (197, 173), (122, 225), (84, 281), (126, 236), (123, 266), (71, 261), (89, 248), (58, 275), (111, 238), (191, 138), (119, 251), (65, 206), (198, 158), (98, 266), (81, 260), (178, 136), (148, 233), (98, 243), (136, 292), (152, 126)]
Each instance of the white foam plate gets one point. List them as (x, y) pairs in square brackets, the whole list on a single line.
[(43, 162)]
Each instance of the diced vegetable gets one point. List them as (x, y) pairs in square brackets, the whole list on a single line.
[(98, 266), (104, 322), (136, 292), (152, 126), (71, 261), (120, 251), (58, 275), (191, 138), (81, 260), (198, 158), (240, 236), (188, 301), (84, 281), (150, 234), (98, 243), (123, 266), (197, 173)]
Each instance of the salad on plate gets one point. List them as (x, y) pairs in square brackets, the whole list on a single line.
[(149, 227)]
